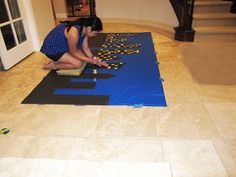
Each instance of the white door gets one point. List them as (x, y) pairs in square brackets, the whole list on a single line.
[(15, 41)]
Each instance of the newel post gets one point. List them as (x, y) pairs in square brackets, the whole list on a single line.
[(184, 31)]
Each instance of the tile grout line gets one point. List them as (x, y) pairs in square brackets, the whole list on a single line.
[(221, 161), (164, 160)]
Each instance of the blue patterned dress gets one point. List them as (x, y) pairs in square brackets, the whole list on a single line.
[(56, 43)]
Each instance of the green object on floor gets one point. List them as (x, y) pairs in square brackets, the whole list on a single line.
[(5, 131), (71, 72)]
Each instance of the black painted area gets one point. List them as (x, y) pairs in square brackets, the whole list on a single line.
[(97, 76), (43, 93), (67, 99), (55, 81), (110, 66), (98, 40)]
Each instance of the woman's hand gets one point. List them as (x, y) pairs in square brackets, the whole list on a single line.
[(98, 61)]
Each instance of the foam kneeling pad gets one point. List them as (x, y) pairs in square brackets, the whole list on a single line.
[(71, 72)]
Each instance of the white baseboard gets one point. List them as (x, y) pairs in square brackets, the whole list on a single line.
[(61, 15), (160, 27)]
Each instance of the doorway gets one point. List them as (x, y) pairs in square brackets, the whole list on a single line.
[(15, 40), (80, 8)]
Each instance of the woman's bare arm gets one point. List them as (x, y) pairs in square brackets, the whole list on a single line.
[(86, 49), (72, 38)]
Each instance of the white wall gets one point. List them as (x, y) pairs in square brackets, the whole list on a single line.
[(43, 16), (160, 12), (60, 8), (156, 13)]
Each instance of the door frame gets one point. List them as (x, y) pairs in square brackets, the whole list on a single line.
[(13, 55), (32, 29), (32, 25)]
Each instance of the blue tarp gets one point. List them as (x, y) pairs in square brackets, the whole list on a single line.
[(136, 83)]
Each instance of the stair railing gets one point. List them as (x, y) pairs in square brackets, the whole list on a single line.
[(92, 7), (184, 13), (233, 7)]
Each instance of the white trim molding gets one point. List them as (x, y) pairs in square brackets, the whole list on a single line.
[(32, 25), (165, 29), (61, 15)]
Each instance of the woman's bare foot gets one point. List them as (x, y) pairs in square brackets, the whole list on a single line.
[(50, 66)]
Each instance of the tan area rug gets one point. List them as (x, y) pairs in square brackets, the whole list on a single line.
[(211, 63)]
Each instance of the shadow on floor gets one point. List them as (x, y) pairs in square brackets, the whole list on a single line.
[(1, 65)]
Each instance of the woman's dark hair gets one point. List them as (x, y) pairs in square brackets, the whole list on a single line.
[(94, 22)]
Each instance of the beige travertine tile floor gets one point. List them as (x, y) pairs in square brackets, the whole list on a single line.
[(193, 137)]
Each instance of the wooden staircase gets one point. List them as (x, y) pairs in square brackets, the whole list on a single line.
[(213, 21)]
